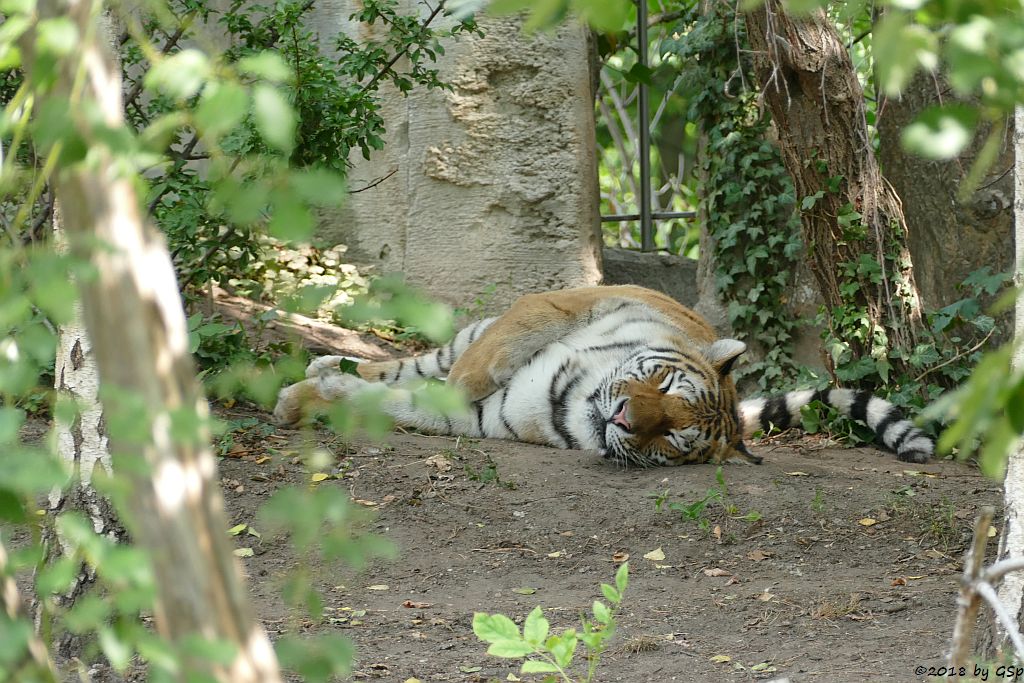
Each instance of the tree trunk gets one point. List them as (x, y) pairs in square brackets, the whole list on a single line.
[(816, 102), (134, 318), (1011, 541), (949, 237), (82, 445)]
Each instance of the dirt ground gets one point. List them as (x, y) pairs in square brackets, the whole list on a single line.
[(850, 574)]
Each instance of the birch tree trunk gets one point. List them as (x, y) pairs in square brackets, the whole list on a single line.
[(1011, 541), (134, 317), (82, 445), (817, 105)]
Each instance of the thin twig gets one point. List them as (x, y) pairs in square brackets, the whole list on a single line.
[(375, 183), (968, 600), (996, 572), (956, 357)]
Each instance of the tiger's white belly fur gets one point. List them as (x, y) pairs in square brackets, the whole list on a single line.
[(551, 399)]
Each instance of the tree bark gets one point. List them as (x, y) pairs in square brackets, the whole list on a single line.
[(82, 445), (1011, 541), (816, 102), (949, 236), (134, 317)]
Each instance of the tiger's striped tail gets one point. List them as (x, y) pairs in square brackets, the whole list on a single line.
[(436, 363), (891, 428)]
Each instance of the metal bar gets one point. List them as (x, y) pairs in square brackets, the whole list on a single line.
[(656, 215), (646, 227)]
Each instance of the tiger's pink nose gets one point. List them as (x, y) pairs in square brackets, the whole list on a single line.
[(620, 417)]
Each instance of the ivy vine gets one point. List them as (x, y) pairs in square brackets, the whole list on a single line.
[(748, 195)]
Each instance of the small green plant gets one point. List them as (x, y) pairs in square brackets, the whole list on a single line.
[(818, 502), (696, 510), (488, 474), (553, 654)]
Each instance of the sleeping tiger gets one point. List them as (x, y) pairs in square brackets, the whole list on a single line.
[(623, 370)]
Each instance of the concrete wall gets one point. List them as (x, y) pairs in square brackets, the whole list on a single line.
[(495, 181)]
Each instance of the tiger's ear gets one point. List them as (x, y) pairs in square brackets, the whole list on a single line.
[(723, 353)]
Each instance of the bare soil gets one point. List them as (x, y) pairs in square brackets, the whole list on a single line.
[(850, 574)]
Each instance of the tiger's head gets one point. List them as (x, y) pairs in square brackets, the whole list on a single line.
[(665, 407)]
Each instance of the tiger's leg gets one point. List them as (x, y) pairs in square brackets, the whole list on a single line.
[(315, 395), (436, 363), (533, 322)]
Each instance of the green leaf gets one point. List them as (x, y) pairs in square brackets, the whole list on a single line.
[(316, 659), (11, 420), (117, 651), (535, 628), (601, 612), (510, 649), (563, 647), (319, 186), (88, 614), (538, 666), (58, 37), (12, 509), (494, 628), (605, 15), (900, 48), (941, 132), (268, 65), (222, 651), (610, 594), (180, 75), (622, 578), (290, 220), (221, 108), (275, 118), (58, 576)]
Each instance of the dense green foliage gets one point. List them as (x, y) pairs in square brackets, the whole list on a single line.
[(748, 198), (231, 145)]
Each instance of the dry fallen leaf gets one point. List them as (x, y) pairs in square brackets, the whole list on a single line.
[(242, 552), (721, 659), (377, 587), (898, 581), (319, 476), (412, 604), (992, 531), (262, 459), (717, 531), (557, 553), (759, 555), (656, 555), (766, 596), (798, 474), (525, 590), (365, 503), (620, 557), (867, 521), (716, 571), (442, 463)]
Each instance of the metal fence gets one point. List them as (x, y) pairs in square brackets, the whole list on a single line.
[(646, 216)]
